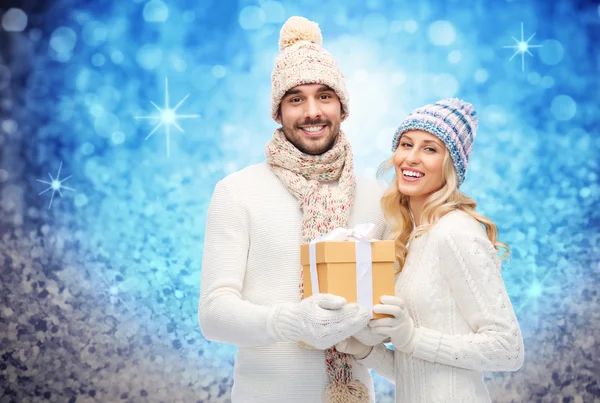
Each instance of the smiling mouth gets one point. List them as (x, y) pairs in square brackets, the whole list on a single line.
[(412, 176), (314, 130)]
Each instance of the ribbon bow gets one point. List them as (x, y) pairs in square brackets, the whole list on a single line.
[(360, 232)]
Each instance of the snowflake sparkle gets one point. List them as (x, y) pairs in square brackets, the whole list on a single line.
[(55, 184), (522, 46), (167, 117)]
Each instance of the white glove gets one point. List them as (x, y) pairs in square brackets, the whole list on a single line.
[(400, 328), (321, 320), (353, 347), (368, 337)]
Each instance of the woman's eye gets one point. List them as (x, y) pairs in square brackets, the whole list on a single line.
[(430, 149), (406, 144)]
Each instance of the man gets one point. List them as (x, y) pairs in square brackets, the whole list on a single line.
[(251, 290)]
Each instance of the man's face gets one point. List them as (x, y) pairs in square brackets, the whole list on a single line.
[(311, 115)]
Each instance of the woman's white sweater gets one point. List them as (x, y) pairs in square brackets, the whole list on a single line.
[(452, 287)]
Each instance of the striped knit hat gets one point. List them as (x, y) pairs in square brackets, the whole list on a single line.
[(303, 61), (453, 121)]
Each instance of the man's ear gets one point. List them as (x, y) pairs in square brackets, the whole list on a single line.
[(278, 114), (343, 113)]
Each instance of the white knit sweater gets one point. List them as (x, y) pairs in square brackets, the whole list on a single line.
[(453, 290), (251, 261)]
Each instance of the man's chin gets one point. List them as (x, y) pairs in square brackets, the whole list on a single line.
[(316, 148), (312, 145)]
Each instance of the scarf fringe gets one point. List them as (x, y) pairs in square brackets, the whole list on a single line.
[(352, 392)]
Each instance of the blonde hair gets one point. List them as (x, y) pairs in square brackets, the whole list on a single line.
[(396, 210)]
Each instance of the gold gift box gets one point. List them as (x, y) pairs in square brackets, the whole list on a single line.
[(336, 269)]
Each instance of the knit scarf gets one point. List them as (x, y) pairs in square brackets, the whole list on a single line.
[(324, 208)]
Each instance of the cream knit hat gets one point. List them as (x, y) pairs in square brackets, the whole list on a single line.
[(303, 61)]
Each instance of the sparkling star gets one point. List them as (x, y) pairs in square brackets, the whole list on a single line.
[(55, 184), (167, 116), (522, 46), (533, 290), (114, 294)]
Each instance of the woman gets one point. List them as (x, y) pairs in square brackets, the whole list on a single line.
[(451, 318)]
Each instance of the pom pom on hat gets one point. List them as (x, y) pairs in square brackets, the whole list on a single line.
[(467, 109), (298, 29)]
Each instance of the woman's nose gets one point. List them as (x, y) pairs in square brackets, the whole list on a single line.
[(413, 156)]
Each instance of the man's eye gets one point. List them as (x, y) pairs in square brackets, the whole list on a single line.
[(295, 99), (325, 96)]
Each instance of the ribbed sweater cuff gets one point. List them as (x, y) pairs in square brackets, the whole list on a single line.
[(375, 357), (427, 344), (445, 350), (284, 325)]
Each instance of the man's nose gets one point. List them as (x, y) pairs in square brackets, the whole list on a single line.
[(313, 109)]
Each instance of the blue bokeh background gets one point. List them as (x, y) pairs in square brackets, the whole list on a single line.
[(99, 287)]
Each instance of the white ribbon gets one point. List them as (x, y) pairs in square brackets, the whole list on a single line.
[(362, 234), (364, 275)]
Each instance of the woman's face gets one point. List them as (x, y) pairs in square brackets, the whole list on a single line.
[(419, 162)]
